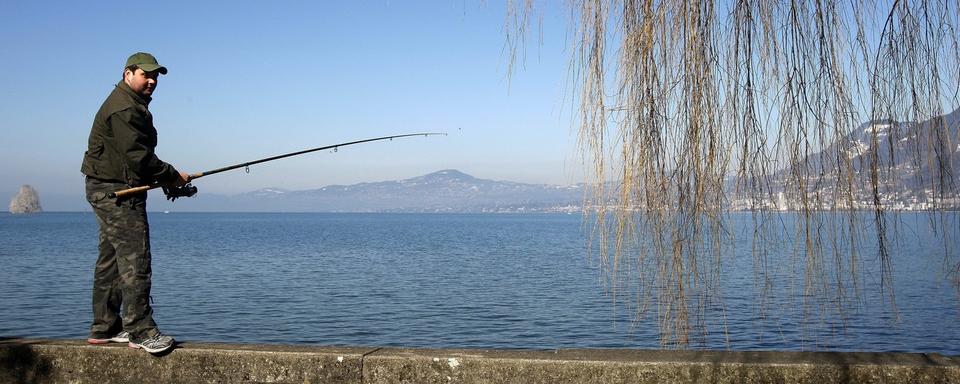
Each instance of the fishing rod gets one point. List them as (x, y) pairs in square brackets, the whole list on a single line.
[(192, 190)]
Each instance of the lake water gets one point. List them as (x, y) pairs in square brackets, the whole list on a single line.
[(428, 280)]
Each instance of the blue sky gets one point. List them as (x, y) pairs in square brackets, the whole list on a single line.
[(251, 79)]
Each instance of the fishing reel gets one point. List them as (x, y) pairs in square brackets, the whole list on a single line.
[(186, 190)]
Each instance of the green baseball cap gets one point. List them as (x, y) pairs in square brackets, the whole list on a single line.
[(146, 62)]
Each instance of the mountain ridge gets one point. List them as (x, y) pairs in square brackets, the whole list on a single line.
[(447, 190), (916, 162)]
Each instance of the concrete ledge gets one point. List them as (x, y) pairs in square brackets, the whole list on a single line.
[(641, 366), (61, 361), (57, 361)]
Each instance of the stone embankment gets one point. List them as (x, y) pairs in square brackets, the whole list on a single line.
[(73, 361)]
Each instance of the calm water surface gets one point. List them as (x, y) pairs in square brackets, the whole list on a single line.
[(428, 280)]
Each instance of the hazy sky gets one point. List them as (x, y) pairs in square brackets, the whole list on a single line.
[(251, 79)]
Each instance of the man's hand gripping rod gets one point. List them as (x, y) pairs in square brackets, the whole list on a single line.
[(144, 188)]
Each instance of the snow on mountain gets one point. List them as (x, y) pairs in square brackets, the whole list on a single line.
[(914, 161)]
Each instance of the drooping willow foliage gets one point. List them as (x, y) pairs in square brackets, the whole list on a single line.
[(690, 111)]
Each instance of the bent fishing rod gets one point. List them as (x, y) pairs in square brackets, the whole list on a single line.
[(144, 188)]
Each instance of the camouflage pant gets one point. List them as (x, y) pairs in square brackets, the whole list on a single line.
[(123, 273)]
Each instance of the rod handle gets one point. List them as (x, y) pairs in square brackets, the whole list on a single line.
[(131, 191), (144, 188)]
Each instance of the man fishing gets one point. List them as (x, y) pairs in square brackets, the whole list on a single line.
[(120, 167), (120, 155)]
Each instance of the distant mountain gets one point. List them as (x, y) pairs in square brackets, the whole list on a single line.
[(910, 149), (914, 158), (442, 191)]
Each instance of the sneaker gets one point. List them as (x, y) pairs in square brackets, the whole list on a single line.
[(156, 344), (121, 337)]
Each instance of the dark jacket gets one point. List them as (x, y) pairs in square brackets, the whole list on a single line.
[(122, 142)]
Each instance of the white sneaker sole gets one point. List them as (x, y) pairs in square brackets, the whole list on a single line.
[(151, 350)]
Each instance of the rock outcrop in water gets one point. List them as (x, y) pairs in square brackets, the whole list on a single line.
[(26, 201)]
